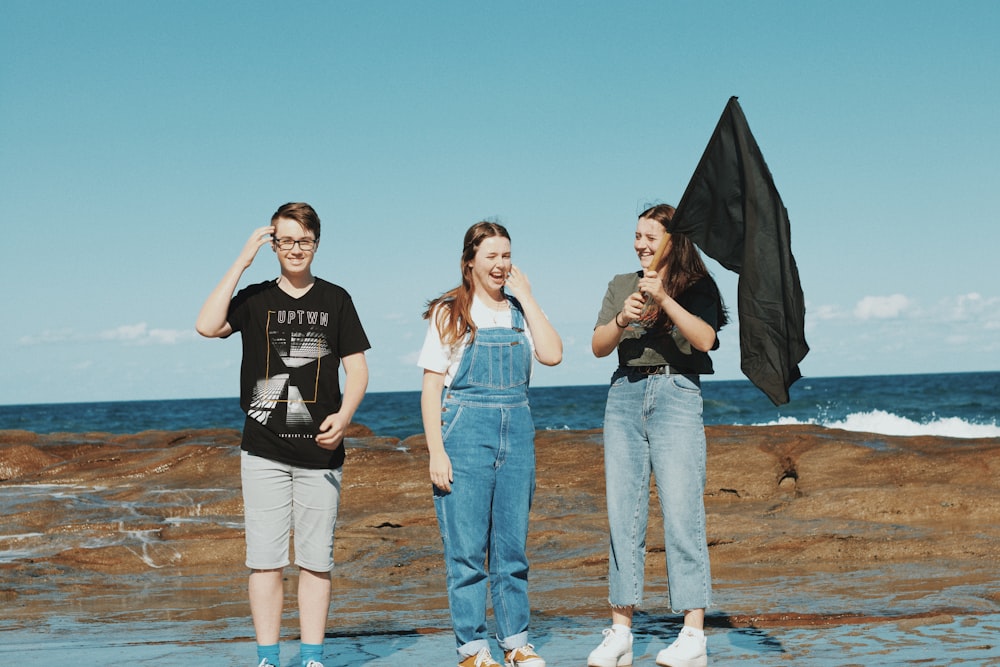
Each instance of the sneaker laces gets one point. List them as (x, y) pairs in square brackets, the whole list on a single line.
[(685, 633), (526, 651), (682, 635), (484, 657), (609, 634)]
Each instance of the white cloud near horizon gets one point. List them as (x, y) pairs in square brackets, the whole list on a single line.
[(826, 312), (141, 334), (882, 307), (135, 334), (972, 308)]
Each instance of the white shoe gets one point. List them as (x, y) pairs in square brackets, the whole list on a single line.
[(614, 651), (688, 650)]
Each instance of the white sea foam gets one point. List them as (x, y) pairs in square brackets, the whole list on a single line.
[(886, 423)]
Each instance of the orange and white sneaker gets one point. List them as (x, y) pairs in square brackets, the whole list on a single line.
[(522, 656), (481, 659)]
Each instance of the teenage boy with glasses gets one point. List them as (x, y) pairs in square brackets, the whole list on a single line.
[(296, 330)]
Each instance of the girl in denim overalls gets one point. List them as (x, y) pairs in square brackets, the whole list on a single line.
[(480, 436)]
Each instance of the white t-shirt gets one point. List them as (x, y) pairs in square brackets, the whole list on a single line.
[(441, 358)]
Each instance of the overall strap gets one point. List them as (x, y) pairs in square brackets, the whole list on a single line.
[(516, 314)]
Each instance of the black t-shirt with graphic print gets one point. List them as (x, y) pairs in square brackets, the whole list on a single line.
[(289, 379)]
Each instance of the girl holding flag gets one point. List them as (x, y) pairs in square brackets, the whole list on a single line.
[(663, 321)]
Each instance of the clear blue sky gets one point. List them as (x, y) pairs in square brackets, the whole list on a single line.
[(141, 143)]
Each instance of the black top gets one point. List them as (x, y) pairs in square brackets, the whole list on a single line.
[(289, 380), (662, 343)]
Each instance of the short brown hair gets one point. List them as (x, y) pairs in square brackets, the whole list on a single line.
[(300, 212)]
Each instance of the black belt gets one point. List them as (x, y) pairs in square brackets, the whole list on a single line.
[(651, 370)]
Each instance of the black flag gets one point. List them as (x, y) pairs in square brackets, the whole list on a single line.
[(733, 212)]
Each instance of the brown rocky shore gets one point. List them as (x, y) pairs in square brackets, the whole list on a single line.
[(807, 526)]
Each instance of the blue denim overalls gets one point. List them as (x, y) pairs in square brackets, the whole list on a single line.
[(490, 438)]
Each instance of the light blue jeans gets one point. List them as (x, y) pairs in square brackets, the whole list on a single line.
[(654, 424)]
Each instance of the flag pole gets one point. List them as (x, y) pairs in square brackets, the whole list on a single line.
[(661, 250)]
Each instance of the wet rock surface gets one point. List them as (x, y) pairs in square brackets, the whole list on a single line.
[(807, 526)]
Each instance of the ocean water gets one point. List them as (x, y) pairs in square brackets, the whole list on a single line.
[(958, 405)]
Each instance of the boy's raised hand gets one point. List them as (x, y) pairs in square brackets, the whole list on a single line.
[(260, 238)]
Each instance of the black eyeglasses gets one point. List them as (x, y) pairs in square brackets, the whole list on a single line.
[(305, 245)]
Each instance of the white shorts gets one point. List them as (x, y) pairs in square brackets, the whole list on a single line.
[(279, 498)]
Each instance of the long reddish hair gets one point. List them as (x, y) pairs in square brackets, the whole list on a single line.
[(453, 309), (681, 266)]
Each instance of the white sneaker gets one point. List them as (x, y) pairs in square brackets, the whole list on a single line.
[(688, 650), (614, 651)]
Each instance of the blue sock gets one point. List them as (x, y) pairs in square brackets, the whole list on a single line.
[(311, 652), (270, 652)]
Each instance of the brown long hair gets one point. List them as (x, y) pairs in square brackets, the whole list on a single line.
[(682, 266), (454, 307)]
